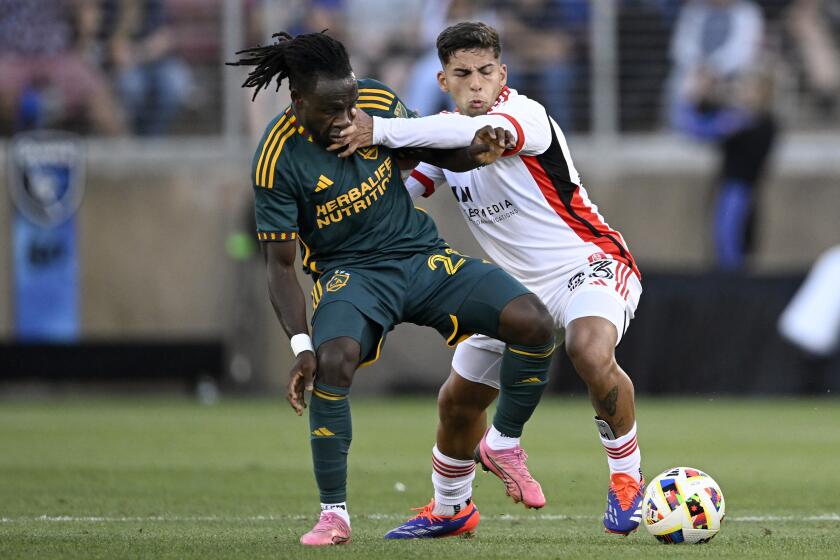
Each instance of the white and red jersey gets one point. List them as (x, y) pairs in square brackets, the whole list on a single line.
[(528, 210)]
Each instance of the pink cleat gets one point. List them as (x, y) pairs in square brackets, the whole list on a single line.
[(509, 465), (330, 529)]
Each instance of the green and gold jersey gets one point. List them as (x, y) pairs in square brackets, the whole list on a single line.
[(344, 212)]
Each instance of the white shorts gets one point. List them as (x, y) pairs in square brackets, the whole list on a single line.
[(602, 288)]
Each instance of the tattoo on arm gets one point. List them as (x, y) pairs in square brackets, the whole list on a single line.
[(608, 401)]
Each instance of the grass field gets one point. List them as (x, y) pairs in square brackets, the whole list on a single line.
[(173, 479)]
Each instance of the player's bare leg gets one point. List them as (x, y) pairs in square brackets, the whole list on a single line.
[(462, 415), (331, 433), (590, 345)]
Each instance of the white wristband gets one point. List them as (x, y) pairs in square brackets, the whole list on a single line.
[(301, 343)]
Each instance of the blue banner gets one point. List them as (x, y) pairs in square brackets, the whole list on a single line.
[(46, 281), (46, 180)]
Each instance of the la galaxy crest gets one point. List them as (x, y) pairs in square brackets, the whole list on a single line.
[(369, 153), (338, 281)]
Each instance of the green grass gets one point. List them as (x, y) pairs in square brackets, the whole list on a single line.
[(173, 479)]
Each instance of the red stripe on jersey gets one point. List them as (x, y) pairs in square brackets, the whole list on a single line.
[(520, 135), (502, 97), (623, 273), (425, 181), (606, 238), (625, 289)]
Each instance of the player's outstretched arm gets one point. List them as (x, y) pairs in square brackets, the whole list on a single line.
[(487, 146), (290, 306), (444, 131)]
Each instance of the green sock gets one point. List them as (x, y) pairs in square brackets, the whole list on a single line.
[(524, 376), (330, 436)]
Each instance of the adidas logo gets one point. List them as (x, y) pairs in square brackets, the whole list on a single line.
[(323, 431), (323, 183)]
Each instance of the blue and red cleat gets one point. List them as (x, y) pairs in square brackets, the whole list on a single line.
[(427, 525), (624, 504)]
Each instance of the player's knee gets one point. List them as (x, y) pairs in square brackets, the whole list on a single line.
[(526, 321), (337, 362), (592, 355), (456, 411)]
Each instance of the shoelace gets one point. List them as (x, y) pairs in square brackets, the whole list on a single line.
[(426, 513), (323, 525), (625, 490), (520, 457)]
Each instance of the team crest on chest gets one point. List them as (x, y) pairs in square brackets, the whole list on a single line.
[(338, 281), (369, 153)]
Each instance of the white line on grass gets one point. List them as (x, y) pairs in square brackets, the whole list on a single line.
[(373, 516)]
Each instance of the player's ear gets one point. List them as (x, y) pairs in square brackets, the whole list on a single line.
[(441, 77), (503, 74), (297, 98)]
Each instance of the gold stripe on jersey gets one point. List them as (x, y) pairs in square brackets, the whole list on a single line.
[(330, 393), (271, 169), (373, 106), (280, 122), (452, 340), (375, 91), (532, 354), (272, 143), (376, 356), (376, 98), (317, 292), (324, 395), (275, 236), (306, 256)]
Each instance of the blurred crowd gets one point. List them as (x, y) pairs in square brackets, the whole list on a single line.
[(100, 66), (152, 67)]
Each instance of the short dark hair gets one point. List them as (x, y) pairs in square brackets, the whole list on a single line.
[(467, 35), (300, 59)]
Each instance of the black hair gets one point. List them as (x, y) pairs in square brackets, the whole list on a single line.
[(300, 59), (467, 35)]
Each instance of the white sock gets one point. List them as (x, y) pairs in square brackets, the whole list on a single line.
[(452, 479), (498, 441), (623, 454), (340, 509)]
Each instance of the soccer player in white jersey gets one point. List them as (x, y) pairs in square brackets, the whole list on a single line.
[(531, 214)]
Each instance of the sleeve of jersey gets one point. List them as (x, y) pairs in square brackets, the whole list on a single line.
[(276, 210), (527, 122), (379, 100), (423, 180)]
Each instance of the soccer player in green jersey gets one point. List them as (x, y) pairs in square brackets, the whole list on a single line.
[(376, 261)]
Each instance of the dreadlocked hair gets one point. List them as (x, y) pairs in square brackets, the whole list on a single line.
[(300, 59)]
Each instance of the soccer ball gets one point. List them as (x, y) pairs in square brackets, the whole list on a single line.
[(683, 505)]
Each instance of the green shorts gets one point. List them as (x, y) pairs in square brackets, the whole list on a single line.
[(455, 294)]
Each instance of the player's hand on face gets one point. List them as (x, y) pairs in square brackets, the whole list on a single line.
[(301, 379), (358, 135), (490, 143)]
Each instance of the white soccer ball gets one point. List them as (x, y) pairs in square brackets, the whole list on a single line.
[(683, 505)]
